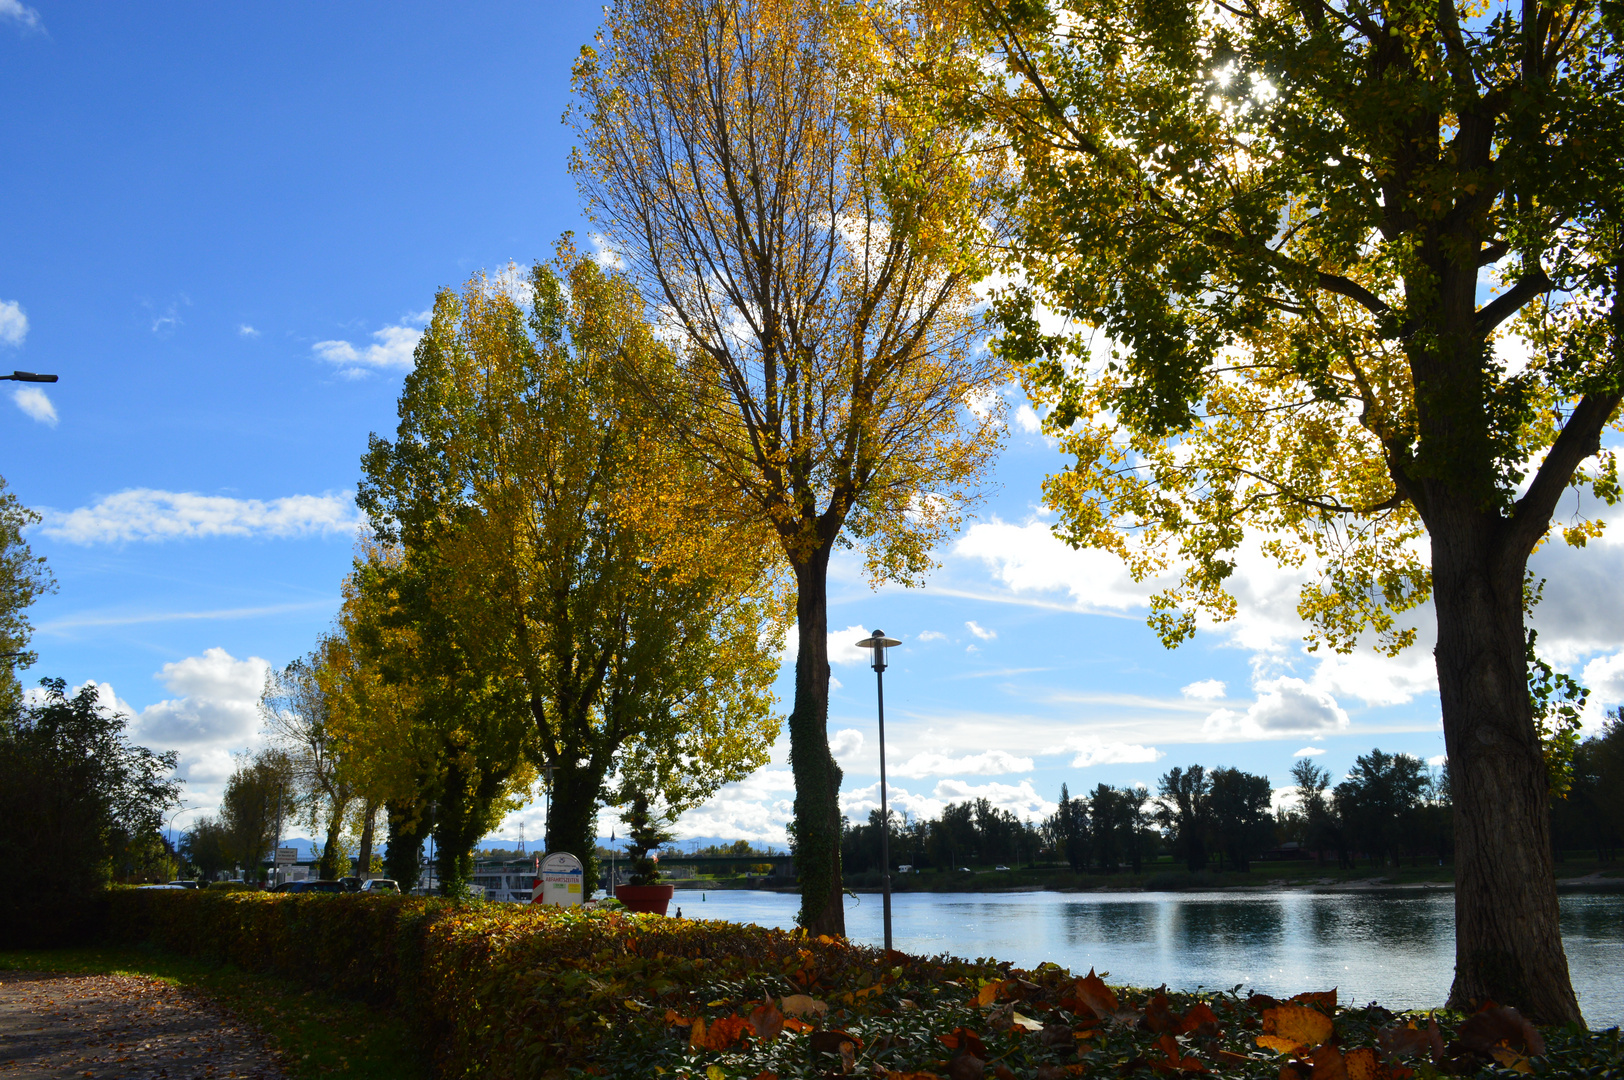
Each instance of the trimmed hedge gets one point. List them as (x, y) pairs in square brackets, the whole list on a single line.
[(498, 990)]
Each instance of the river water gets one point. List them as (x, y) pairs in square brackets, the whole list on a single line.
[(1397, 948)]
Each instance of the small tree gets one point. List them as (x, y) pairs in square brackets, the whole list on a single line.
[(24, 578), (646, 830)]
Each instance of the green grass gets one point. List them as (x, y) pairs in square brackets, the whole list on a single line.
[(317, 1033)]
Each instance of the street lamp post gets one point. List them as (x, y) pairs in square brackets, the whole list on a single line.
[(26, 376), (878, 643)]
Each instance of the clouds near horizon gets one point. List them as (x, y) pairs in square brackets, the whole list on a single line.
[(146, 515)]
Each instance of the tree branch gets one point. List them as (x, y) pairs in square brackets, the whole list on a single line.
[(1580, 439), (1505, 305)]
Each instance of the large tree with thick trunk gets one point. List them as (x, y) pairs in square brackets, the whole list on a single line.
[(804, 232), (1299, 228)]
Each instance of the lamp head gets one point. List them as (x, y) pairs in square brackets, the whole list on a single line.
[(877, 644)]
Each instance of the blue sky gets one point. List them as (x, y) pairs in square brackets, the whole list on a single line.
[(222, 226)]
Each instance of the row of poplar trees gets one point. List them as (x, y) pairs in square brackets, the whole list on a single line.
[(1281, 241)]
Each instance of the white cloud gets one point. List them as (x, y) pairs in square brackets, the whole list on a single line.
[(13, 322), (1285, 706), (1117, 753), (845, 743), (1020, 799), (1027, 420), (144, 514), (1437, 761), (33, 401), (391, 349), (15, 9), (930, 635), (247, 331), (843, 646), (1030, 559), (1605, 678), (980, 631), (1309, 751), (990, 763), (1205, 690)]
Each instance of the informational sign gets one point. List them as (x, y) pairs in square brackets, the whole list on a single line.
[(562, 881), (286, 856)]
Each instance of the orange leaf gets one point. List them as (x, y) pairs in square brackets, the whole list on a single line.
[(765, 1075), (1361, 1064), (725, 1032), (767, 1021), (1277, 1043), (696, 1035), (989, 993), (793, 1024), (1303, 1025), (966, 1040)]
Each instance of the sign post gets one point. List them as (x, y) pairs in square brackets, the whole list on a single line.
[(562, 881), (284, 857)]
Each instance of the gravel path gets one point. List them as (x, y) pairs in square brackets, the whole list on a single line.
[(132, 1028)]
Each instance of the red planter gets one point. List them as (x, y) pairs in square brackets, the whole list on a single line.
[(650, 898)]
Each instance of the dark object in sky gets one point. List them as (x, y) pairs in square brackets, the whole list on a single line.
[(26, 376)]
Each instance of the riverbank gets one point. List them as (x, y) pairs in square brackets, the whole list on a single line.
[(1571, 876)]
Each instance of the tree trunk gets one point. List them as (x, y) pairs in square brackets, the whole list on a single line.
[(363, 861), (572, 818), (403, 858), (1508, 941), (817, 777), (328, 867)]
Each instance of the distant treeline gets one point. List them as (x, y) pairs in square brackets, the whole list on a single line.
[(1390, 809)]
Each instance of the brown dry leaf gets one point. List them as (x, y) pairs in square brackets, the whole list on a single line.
[(1361, 1064), (1500, 1026), (1406, 1041), (1177, 1060), (1303, 1025), (848, 1057), (966, 1067), (1003, 1072), (802, 1005), (965, 1041), (1201, 1021), (1092, 991), (1329, 1064), (1316, 997), (1278, 1043), (766, 1075), (1051, 1072), (1158, 1017), (830, 1042), (767, 1021), (894, 1074), (696, 1034), (989, 993)]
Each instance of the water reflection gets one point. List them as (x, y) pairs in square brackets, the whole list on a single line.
[(1396, 948)]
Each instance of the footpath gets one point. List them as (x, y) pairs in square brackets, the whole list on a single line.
[(103, 1026)]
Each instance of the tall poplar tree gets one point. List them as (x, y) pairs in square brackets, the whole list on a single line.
[(1301, 226), (803, 233), (580, 564)]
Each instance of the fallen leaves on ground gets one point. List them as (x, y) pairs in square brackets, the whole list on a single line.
[(957, 1020)]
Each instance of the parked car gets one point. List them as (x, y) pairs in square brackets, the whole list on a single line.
[(177, 887), (1000, 868), (319, 885), (184, 884), (379, 886), (351, 884)]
